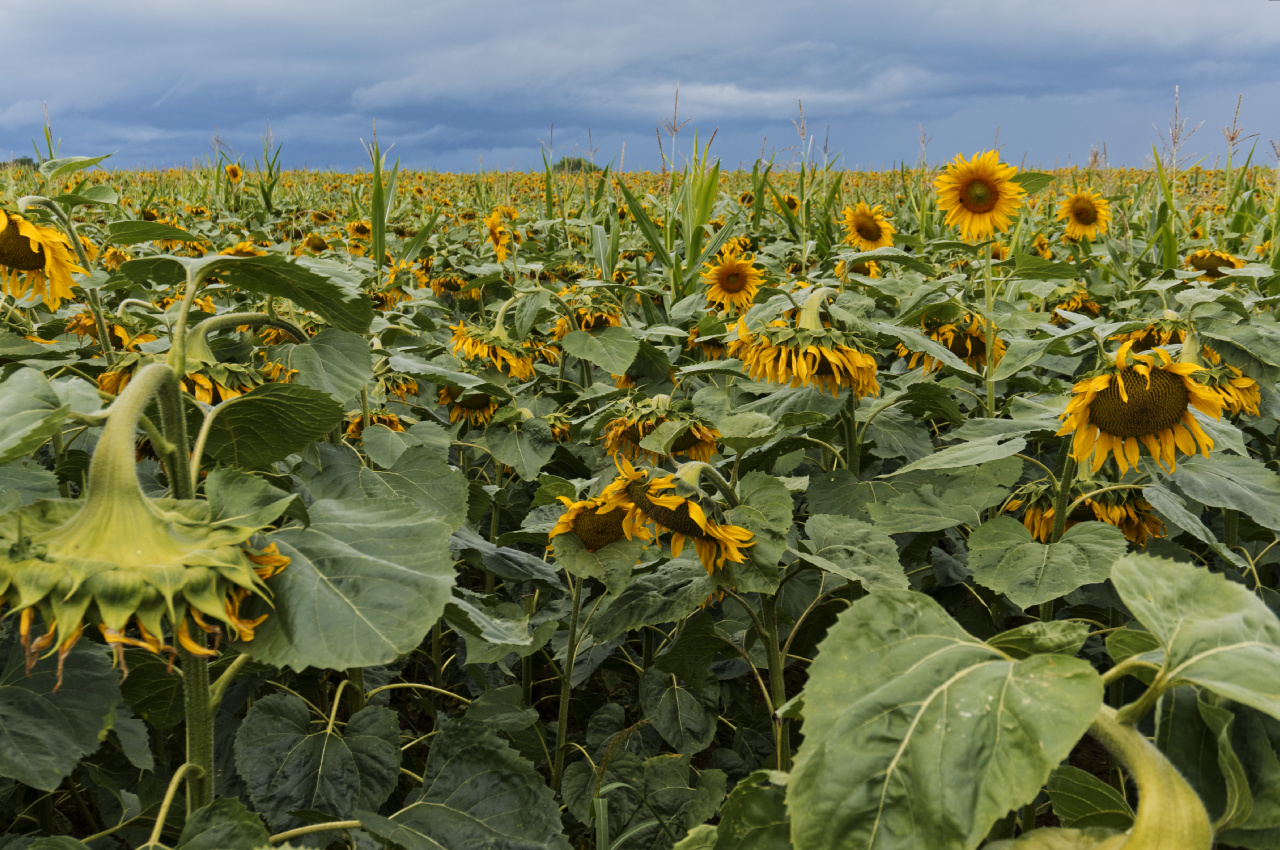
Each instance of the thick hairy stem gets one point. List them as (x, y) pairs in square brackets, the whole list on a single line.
[(777, 687), (566, 683), (198, 708)]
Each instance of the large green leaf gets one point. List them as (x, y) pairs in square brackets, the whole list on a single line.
[(612, 349), (1172, 508), (668, 594), (325, 287), (225, 824), (919, 735), (1229, 481), (422, 477), (1213, 632), (56, 714), (684, 716), (269, 423), (1006, 558), (477, 794), (855, 550), (30, 413), (133, 232), (333, 361), (1082, 800), (289, 765), (966, 454), (754, 817), (365, 582), (525, 448), (610, 564)]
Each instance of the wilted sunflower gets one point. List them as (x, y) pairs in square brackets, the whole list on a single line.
[(1141, 398), (1076, 299), (625, 433), (360, 229), (385, 418), (1213, 263), (966, 339), (1237, 392), (83, 324), (453, 284), (1130, 513), (870, 269), (1041, 247), (1165, 330), (645, 503), (867, 228), (735, 245), (499, 235), (476, 344), (234, 173), (120, 560), (1086, 213), (597, 525), (732, 281), (37, 258), (712, 348), (242, 249), (978, 195), (400, 386), (806, 356), (476, 408)]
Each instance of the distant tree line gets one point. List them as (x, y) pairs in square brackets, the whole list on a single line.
[(20, 162), (575, 164)]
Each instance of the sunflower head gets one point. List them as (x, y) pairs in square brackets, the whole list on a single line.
[(965, 337), (234, 173), (35, 258), (732, 281), (867, 228), (360, 229), (1086, 213), (475, 344), (697, 441), (596, 524), (1075, 299), (790, 202), (979, 195), (823, 357), (476, 408), (1213, 264), (356, 423), (1140, 400)]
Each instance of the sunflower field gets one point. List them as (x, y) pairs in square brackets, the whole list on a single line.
[(792, 508)]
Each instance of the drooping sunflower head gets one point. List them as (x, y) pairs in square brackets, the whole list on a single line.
[(979, 195), (1213, 264), (1128, 512), (649, 501), (597, 524), (965, 337), (867, 227), (499, 235), (697, 441), (593, 311), (1237, 392), (35, 258), (476, 408), (735, 245), (475, 344), (1086, 213), (1167, 330), (869, 268), (1074, 299), (711, 347), (732, 281), (1140, 400), (825, 358), (356, 422), (400, 386)]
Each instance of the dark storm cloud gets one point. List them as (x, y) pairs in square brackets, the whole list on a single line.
[(458, 87)]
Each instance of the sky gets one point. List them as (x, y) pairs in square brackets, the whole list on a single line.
[(455, 86)]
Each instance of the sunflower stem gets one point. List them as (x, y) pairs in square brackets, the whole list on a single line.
[(1060, 509), (566, 682), (232, 320), (169, 794), (777, 687), (197, 705), (1231, 531), (852, 439), (989, 296)]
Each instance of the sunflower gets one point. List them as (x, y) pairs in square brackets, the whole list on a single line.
[(1163, 331), (360, 229), (747, 199), (234, 173), (735, 245), (242, 249), (732, 281), (978, 195), (966, 339), (452, 284), (113, 258), (712, 347), (83, 324), (1141, 399), (1130, 513), (624, 434), (869, 268), (791, 202), (597, 524), (1212, 263), (867, 228), (499, 235), (1041, 247), (1086, 213), (1237, 392), (37, 258), (1077, 299), (645, 503), (400, 386), (385, 418), (128, 563), (475, 344), (805, 356), (475, 408)]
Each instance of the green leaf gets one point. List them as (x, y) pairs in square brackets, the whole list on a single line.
[(325, 287), (610, 564), (919, 735), (840, 492), (49, 720), (1033, 181), (56, 169), (133, 232), (289, 766), (365, 582), (269, 423), (1020, 354), (333, 361), (669, 594), (1081, 800), (612, 349), (1172, 509), (1031, 267), (1213, 633), (913, 340), (420, 476), (683, 716), (966, 454), (23, 481), (1229, 481), (384, 446), (477, 792), (1056, 636), (931, 508), (525, 448), (151, 689), (754, 816), (1006, 558), (225, 824), (890, 255), (855, 550), (30, 413)]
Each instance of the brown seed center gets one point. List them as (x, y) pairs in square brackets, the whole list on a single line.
[(979, 196), (868, 229), (674, 520), (597, 530), (1083, 212), (1150, 409), (16, 253), (733, 282)]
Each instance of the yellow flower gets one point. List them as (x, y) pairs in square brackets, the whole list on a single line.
[(36, 258), (596, 524), (867, 228), (1144, 399), (242, 249), (966, 339), (802, 357), (1213, 263), (732, 281), (475, 344), (1086, 213), (1076, 300), (978, 195), (791, 201), (499, 235), (625, 433), (360, 229), (234, 173), (647, 503), (476, 408), (355, 423)]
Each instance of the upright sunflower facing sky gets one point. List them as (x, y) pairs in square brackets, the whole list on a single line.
[(36, 258), (1086, 213), (979, 195), (1141, 399), (867, 228), (731, 281)]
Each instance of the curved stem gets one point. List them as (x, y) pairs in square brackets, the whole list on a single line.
[(234, 320), (309, 829), (227, 676), (416, 686), (170, 792)]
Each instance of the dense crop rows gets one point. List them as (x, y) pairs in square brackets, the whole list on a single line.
[(700, 509)]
